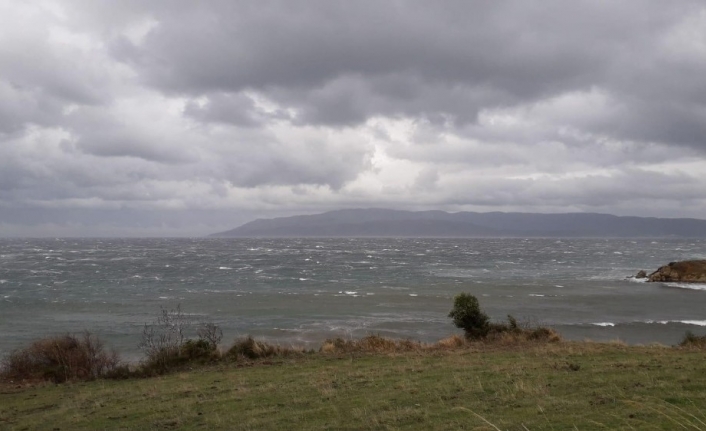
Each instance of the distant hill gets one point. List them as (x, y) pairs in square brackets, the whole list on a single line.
[(396, 223)]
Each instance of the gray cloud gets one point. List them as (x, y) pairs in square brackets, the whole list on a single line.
[(168, 109), (341, 63)]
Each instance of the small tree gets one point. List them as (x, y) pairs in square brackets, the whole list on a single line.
[(467, 315), (163, 339), (210, 333)]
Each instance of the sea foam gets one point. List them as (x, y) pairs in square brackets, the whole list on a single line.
[(690, 286)]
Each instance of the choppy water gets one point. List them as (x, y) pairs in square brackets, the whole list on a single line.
[(301, 291)]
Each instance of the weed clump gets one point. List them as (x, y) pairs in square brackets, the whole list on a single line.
[(59, 359), (249, 348), (370, 344), (692, 340)]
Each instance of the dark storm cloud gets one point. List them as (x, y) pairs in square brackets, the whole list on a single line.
[(340, 63), (237, 109)]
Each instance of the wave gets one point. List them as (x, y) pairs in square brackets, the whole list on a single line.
[(636, 280), (690, 286), (683, 322), (651, 322)]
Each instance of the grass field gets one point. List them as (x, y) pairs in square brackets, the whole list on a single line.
[(554, 386)]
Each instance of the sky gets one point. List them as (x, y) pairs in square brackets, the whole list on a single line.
[(184, 118)]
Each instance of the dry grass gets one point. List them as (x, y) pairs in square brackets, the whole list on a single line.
[(515, 335), (370, 344), (375, 344), (249, 348)]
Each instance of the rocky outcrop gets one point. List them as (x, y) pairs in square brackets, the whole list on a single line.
[(641, 274), (688, 271)]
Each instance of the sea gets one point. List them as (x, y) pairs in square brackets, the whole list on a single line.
[(300, 292)]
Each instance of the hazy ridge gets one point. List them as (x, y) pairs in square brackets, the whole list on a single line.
[(397, 223)]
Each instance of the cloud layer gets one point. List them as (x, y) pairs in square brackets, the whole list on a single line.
[(182, 118)]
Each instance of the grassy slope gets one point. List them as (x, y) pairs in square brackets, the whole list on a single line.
[(553, 387)]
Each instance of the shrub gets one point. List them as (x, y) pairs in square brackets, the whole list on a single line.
[(692, 340), (543, 334), (198, 350), (467, 315), (166, 345), (164, 337), (250, 348), (60, 358), (210, 333)]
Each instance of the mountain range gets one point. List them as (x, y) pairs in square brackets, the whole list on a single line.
[(374, 222)]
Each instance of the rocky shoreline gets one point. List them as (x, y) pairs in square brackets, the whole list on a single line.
[(687, 271)]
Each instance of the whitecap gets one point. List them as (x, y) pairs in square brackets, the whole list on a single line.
[(617, 252), (350, 292), (303, 279), (684, 322), (413, 294), (636, 280), (536, 294), (603, 324), (224, 267), (693, 322), (690, 286)]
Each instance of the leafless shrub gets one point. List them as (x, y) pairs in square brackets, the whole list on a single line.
[(210, 332), (166, 342), (60, 358), (162, 340)]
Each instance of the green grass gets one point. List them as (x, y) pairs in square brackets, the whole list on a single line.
[(558, 386)]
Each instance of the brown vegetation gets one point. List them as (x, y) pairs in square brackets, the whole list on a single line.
[(693, 341), (61, 358), (249, 348)]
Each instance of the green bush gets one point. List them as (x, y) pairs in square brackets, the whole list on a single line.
[(467, 315)]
